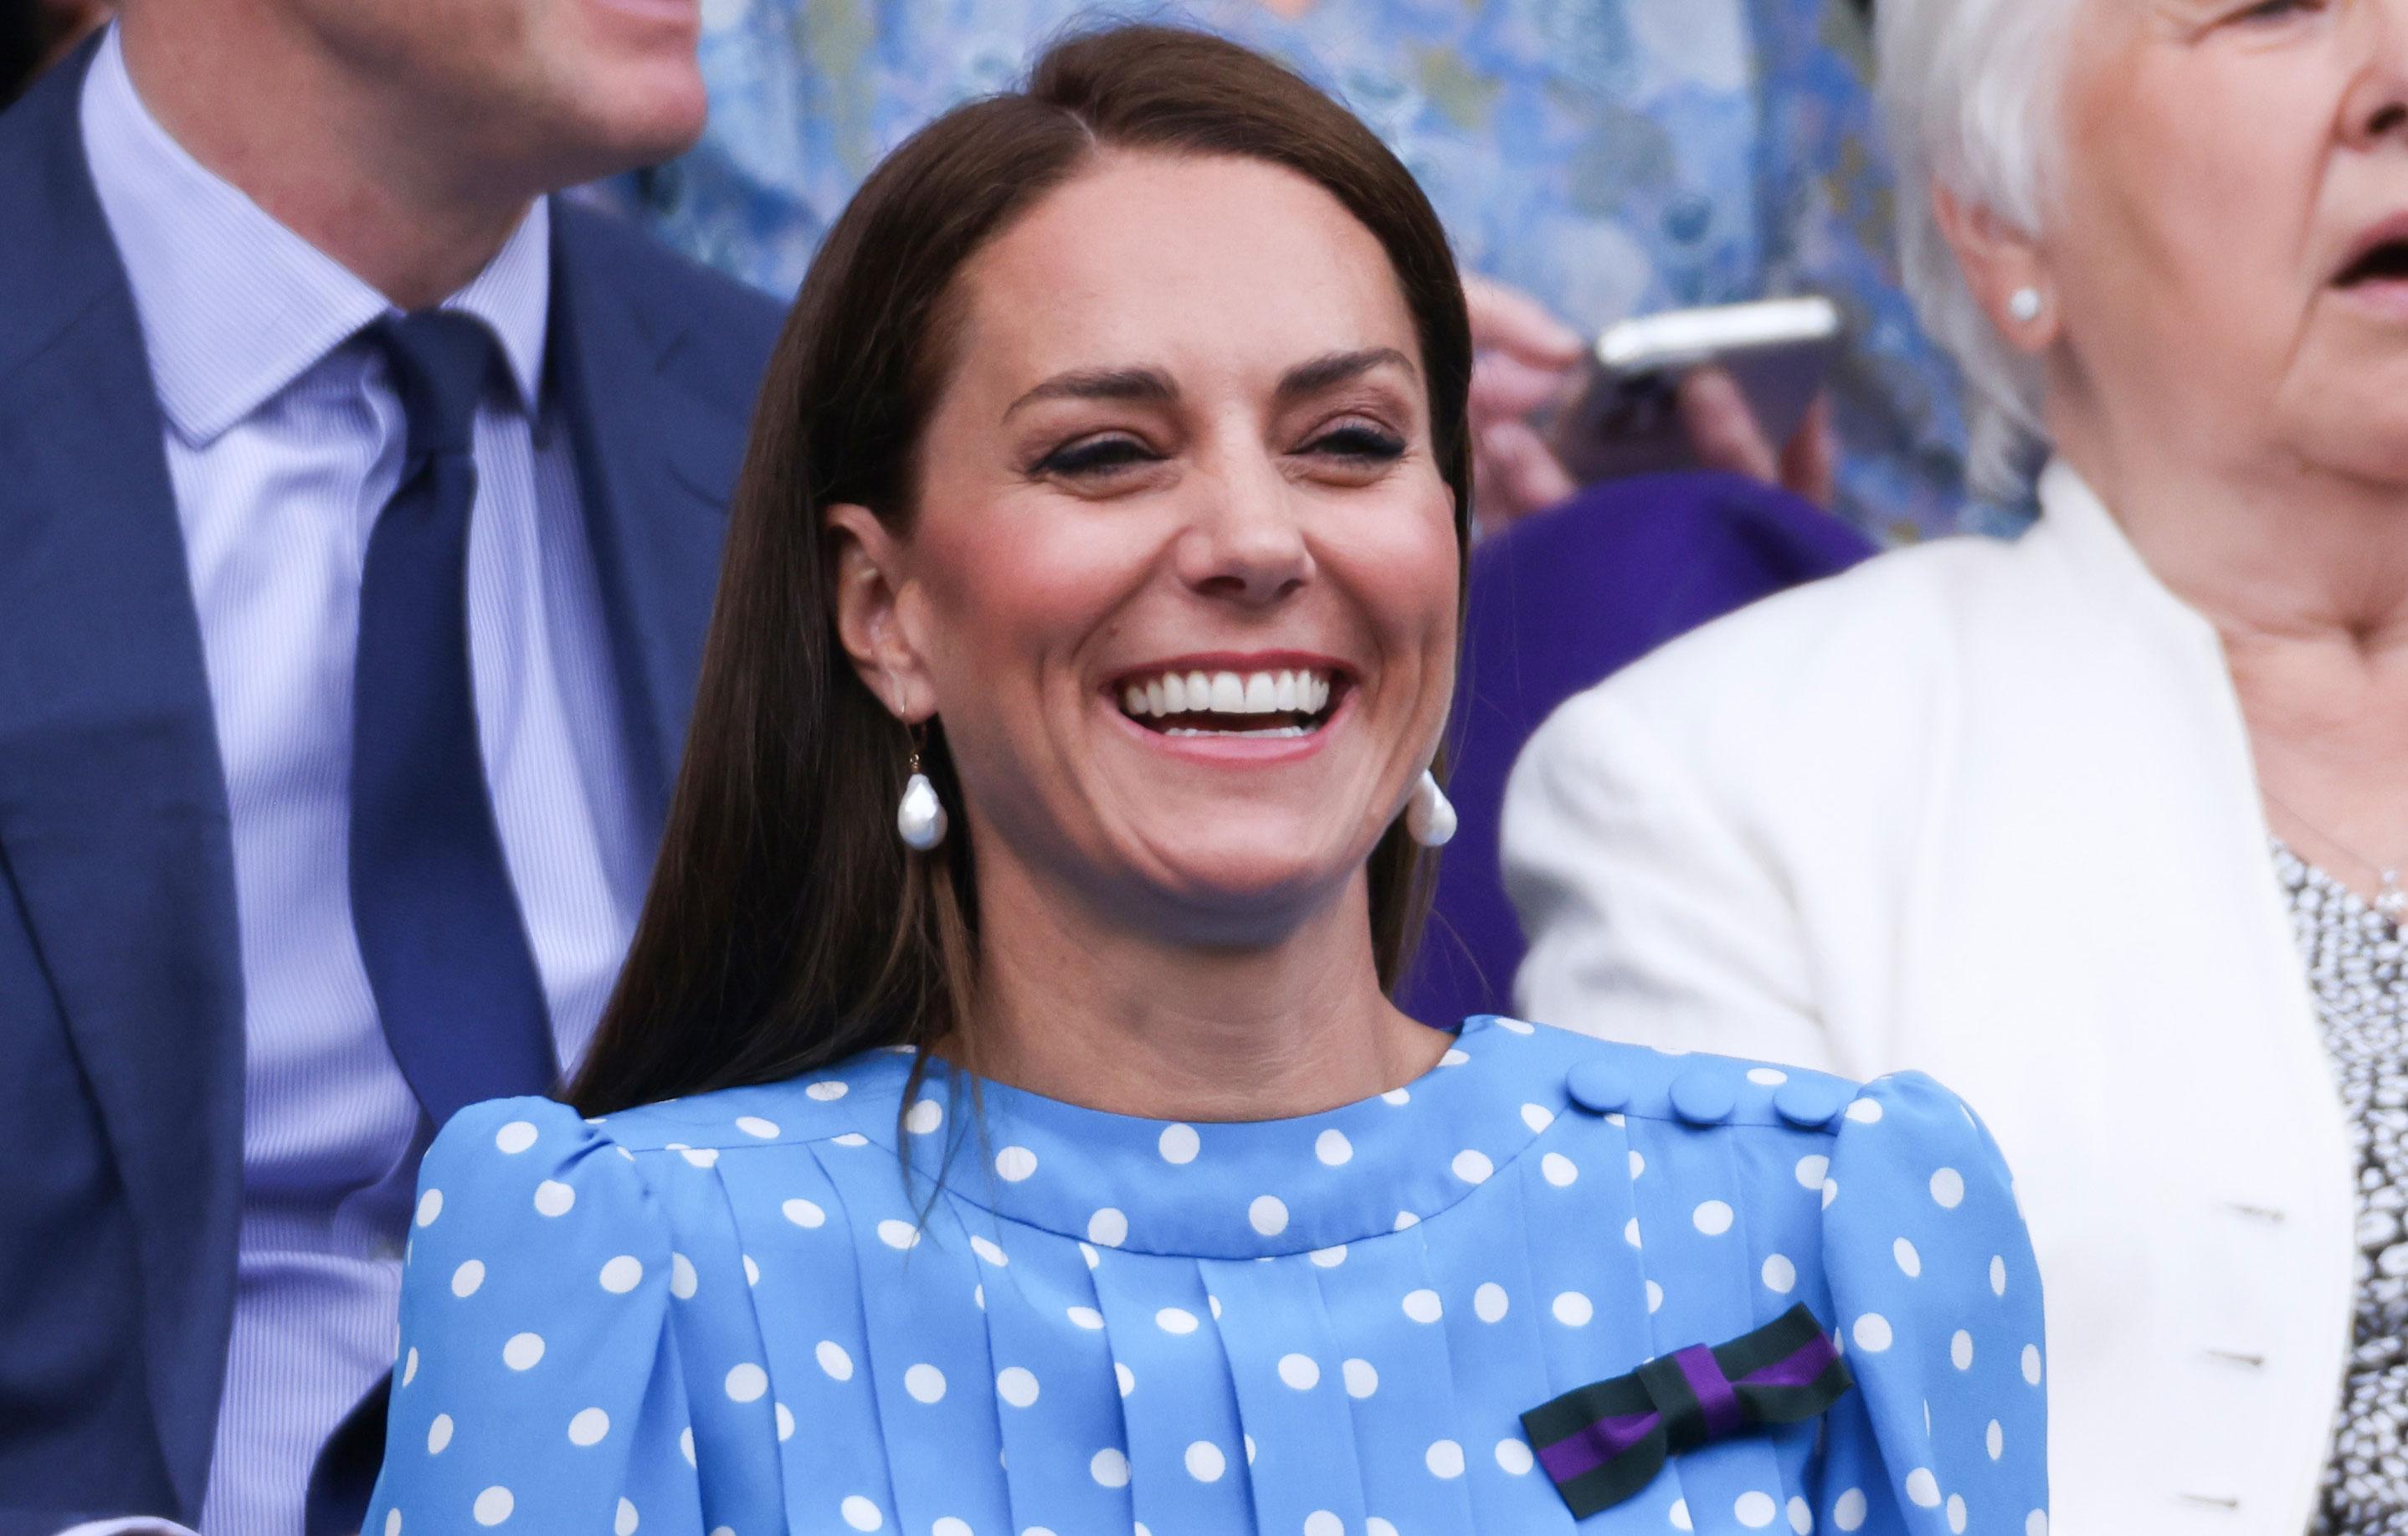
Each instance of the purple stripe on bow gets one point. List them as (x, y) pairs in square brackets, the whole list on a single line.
[(1716, 1398), (1608, 1437), (1596, 1445)]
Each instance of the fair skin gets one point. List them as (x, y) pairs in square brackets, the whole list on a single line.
[(1112, 488), (407, 138), (2236, 388)]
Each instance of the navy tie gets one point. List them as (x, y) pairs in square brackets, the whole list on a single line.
[(438, 923)]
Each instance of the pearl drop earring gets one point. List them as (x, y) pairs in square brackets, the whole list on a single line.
[(1429, 815), (2024, 305), (919, 820)]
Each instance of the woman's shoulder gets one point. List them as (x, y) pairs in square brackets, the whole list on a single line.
[(858, 1097)]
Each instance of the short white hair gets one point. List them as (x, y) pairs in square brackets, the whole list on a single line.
[(1971, 93)]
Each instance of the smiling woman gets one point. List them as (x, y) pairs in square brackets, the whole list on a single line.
[(1062, 1164)]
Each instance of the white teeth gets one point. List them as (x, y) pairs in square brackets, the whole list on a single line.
[(1154, 697), (1284, 695), (1200, 692), (1174, 697), (1262, 694), (1228, 694), (1133, 700)]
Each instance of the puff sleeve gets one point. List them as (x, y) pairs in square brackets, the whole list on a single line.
[(537, 1382), (1937, 1307)]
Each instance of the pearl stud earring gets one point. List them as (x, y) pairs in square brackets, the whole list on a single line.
[(2024, 305)]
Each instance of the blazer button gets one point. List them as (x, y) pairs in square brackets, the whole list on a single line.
[(1811, 1104), (1704, 1096), (1596, 1086)]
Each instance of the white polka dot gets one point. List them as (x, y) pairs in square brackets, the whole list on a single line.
[(1848, 1509), (1957, 1513), (753, 1124), (947, 1524), (495, 1505), (860, 1514), (1299, 1372), (1866, 1111), (898, 1234), (1093, 1321), (1179, 1144), (1321, 1522), (1948, 1188), (1396, 1096), (1087, 1252), (1994, 1440), (1361, 1379), (1178, 1320), (1333, 1148), (1109, 1468), (746, 1382), (1513, 1026), (685, 1444), (1108, 1226), (1405, 1219), (827, 1092), (1444, 1458), (1767, 1077), (1016, 1385), (1679, 1515), (513, 1139), (1630, 1232), (978, 1297), (392, 1522), (1488, 1303), (1780, 1274), (1558, 1169), (1871, 1333), (588, 1428), (625, 1521), (1374, 1526), (987, 1250), (409, 1369), (1422, 1306), (1923, 1488), (1205, 1462), (1712, 1218), (851, 1139), (1329, 1259), (683, 1281), (1754, 1510), (1910, 1263), (467, 1277), (926, 1382), (752, 1273), (430, 1205), (1831, 1192), (553, 1199), (2036, 1523), (834, 1360), (1572, 1309), (923, 1116), (523, 1350), (623, 1274), (1960, 1350), (1121, 1374), (804, 1212), (1801, 1516), (1514, 1457), (2031, 1364), (1474, 1167), (1655, 1298), (1538, 1117), (1813, 1171), (1998, 1274), (1013, 1164), (699, 1156), (1268, 1214), (1638, 1163), (439, 1434)]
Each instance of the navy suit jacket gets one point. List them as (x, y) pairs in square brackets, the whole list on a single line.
[(121, 980)]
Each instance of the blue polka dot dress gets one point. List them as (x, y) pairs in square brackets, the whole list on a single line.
[(733, 1314)]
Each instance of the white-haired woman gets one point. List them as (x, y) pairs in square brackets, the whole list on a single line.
[(2102, 826)]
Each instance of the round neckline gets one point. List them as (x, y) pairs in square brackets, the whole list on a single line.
[(1234, 1188)]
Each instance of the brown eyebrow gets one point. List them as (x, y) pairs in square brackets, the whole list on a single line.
[(1153, 387)]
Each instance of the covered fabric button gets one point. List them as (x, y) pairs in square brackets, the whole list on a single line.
[(1703, 1097), (1596, 1086), (1809, 1103)]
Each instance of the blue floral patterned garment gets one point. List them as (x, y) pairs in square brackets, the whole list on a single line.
[(731, 1314), (1611, 157)]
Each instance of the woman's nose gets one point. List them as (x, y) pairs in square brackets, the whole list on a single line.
[(1244, 542), (2377, 108)]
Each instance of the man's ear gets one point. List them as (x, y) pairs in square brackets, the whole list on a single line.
[(2005, 268), (870, 585)]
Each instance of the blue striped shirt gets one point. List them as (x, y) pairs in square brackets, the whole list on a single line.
[(283, 440)]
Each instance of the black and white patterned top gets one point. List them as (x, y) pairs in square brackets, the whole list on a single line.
[(2353, 955)]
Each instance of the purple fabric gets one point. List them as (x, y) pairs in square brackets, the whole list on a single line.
[(1558, 602), (1596, 1445), (1798, 1368), (1716, 1398)]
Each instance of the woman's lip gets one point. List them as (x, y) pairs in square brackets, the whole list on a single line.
[(1227, 749), (2373, 239), (2387, 297)]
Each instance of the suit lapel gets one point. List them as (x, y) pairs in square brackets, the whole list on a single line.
[(653, 447), (113, 820)]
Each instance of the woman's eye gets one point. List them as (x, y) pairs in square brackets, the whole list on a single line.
[(1360, 442), (2275, 10), (1096, 456)]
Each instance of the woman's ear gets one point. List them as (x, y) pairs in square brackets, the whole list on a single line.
[(2004, 267), (870, 585)]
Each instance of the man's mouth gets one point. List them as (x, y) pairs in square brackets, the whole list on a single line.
[(1284, 703)]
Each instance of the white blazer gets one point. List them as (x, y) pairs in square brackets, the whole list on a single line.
[(1988, 810)]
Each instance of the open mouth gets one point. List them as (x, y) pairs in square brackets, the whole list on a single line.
[(1286, 703), (2385, 262)]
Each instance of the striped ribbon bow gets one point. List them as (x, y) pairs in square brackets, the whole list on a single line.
[(1605, 1441)]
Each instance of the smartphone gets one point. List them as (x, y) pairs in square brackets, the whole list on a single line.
[(1625, 419)]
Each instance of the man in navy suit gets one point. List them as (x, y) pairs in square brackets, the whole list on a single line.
[(360, 505)]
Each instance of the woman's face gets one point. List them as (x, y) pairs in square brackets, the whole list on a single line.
[(1181, 583), (2230, 258)]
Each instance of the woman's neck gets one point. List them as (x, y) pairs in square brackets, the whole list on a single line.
[(1076, 1007)]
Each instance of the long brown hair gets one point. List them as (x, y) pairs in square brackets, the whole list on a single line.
[(787, 927)]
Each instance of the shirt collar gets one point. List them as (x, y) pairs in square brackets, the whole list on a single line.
[(235, 306)]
